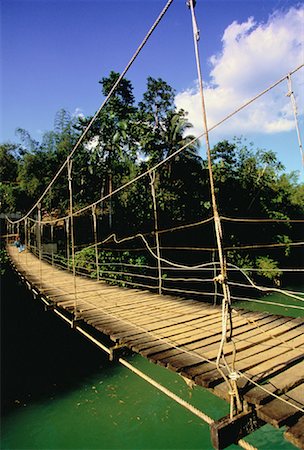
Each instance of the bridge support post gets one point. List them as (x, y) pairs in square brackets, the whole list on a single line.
[(227, 431), (115, 352), (49, 307), (75, 321)]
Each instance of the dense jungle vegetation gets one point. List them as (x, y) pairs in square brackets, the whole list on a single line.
[(129, 137)]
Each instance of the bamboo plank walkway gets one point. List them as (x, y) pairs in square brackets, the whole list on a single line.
[(184, 335)]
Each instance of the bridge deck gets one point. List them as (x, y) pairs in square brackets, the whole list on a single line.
[(184, 335)]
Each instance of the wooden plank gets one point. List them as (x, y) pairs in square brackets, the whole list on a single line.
[(162, 331), (132, 303), (211, 354), (146, 324), (295, 434), (204, 316), (205, 345), (98, 292), (170, 331), (206, 323), (263, 365), (195, 370), (253, 342), (278, 413), (143, 307), (210, 328), (278, 384)]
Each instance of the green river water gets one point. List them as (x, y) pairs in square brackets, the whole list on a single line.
[(60, 392)]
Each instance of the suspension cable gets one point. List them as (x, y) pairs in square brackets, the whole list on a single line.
[(113, 89), (157, 243), (291, 95), (69, 170), (222, 278), (95, 239)]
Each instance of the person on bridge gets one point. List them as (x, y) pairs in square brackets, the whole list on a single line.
[(19, 244)]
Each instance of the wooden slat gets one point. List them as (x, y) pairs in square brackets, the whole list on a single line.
[(278, 413), (262, 369), (204, 345), (163, 332), (259, 353), (278, 384), (295, 434)]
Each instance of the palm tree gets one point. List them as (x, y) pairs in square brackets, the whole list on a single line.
[(175, 137)]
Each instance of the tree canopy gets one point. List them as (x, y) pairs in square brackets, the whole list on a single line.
[(125, 140)]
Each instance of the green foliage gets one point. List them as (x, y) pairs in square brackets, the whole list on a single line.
[(240, 260), (3, 260), (284, 239), (9, 188), (111, 265), (268, 268), (8, 162), (265, 266), (85, 262), (124, 141), (158, 101)]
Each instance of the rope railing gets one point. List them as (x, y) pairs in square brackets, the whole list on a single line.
[(251, 283), (88, 271), (177, 290)]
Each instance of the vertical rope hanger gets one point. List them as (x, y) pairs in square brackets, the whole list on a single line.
[(95, 240), (214, 278), (71, 220), (25, 233), (7, 231), (29, 234), (25, 239), (159, 268), (222, 278), (291, 95), (18, 237), (39, 241), (52, 241)]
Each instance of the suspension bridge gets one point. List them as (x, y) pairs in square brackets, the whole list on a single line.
[(253, 360)]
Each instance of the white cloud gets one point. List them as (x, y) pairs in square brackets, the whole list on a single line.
[(78, 113), (253, 56)]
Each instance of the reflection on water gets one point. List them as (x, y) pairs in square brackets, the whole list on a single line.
[(60, 392)]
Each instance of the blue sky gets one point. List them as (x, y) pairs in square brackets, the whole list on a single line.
[(54, 52)]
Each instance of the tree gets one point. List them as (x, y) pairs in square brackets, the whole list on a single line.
[(9, 155), (158, 101), (263, 191), (174, 138), (49, 155), (112, 144), (9, 188)]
